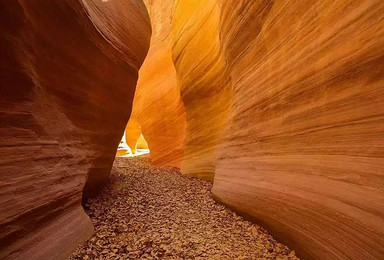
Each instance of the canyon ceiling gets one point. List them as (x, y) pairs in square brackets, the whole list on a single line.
[(279, 103)]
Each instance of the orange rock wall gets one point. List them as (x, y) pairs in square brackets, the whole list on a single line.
[(297, 88), (157, 107), (281, 102), (204, 82), (303, 153), (132, 134), (68, 68), (142, 143)]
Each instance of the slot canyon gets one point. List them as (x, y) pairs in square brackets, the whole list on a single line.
[(264, 121)]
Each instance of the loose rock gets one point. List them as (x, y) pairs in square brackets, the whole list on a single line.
[(149, 212)]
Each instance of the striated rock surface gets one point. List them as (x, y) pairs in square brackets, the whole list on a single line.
[(280, 102), (303, 153), (158, 108), (296, 88), (204, 82), (67, 70)]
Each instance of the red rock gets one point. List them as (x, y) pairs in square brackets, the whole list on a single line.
[(68, 73), (142, 143), (157, 106), (204, 83), (303, 153), (132, 134), (280, 102)]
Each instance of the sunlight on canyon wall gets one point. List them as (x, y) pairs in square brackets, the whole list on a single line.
[(279, 103), (204, 82), (157, 107), (284, 108), (304, 149)]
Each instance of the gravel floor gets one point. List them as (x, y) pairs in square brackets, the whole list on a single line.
[(148, 212)]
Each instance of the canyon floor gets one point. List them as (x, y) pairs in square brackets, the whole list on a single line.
[(149, 212)]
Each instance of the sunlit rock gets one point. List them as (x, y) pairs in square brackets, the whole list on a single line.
[(280, 103), (141, 143), (303, 152), (204, 82), (132, 134), (157, 105)]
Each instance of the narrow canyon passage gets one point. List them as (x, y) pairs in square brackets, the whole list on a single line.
[(274, 108), (149, 212)]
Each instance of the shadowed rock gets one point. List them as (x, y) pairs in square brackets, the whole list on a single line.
[(68, 73)]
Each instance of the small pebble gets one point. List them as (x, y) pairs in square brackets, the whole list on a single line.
[(150, 212)]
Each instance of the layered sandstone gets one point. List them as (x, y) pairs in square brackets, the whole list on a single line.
[(303, 152), (297, 89), (68, 73), (158, 108), (303, 149), (204, 82), (281, 102)]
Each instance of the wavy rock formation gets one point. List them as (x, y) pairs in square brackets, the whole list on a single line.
[(281, 103), (303, 153), (157, 107), (68, 69), (132, 134), (204, 82)]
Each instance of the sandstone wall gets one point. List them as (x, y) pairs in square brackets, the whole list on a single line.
[(132, 134), (303, 153), (204, 82), (281, 102), (68, 69), (142, 142), (157, 107)]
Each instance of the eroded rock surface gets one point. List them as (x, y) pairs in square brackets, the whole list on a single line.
[(304, 149), (68, 71), (157, 107), (284, 106), (281, 102), (132, 134), (204, 82)]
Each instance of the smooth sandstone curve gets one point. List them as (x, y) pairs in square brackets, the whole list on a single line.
[(204, 82), (281, 102), (132, 134), (157, 107), (303, 152), (68, 69)]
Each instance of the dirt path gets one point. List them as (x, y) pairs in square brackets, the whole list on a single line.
[(147, 212)]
